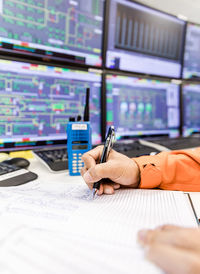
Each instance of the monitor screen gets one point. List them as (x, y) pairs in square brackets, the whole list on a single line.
[(37, 101), (62, 30), (139, 106), (144, 40), (191, 67), (191, 107)]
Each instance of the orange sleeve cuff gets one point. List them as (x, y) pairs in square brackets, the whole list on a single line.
[(171, 170), (150, 173)]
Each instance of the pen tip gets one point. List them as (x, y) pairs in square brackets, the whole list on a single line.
[(94, 192)]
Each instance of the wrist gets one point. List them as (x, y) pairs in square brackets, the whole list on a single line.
[(135, 174)]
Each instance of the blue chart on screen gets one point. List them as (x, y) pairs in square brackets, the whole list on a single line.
[(36, 101), (59, 29), (144, 40)]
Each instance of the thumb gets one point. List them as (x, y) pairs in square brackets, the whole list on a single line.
[(96, 173)]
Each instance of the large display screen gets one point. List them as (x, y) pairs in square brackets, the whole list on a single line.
[(144, 40), (36, 102), (191, 68), (62, 30), (139, 106), (191, 107)]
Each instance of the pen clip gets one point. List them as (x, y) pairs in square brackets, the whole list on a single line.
[(110, 140)]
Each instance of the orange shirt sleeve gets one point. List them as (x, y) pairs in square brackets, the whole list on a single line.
[(171, 170)]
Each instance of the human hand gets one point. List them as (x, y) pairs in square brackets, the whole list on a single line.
[(120, 169), (174, 249)]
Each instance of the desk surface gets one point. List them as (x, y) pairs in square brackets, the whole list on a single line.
[(45, 176), (52, 223)]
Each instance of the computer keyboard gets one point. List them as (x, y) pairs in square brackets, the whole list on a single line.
[(179, 143), (135, 148), (11, 175), (54, 158)]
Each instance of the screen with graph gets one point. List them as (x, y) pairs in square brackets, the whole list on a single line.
[(36, 102), (191, 107), (139, 106), (144, 40), (61, 30), (191, 68)]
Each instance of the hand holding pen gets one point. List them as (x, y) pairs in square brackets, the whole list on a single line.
[(110, 139), (117, 171)]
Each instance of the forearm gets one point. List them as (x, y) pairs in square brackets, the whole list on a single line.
[(174, 170)]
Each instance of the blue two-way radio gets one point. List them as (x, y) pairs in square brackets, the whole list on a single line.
[(79, 141)]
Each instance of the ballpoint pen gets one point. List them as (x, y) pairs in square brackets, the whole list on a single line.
[(110, 139)]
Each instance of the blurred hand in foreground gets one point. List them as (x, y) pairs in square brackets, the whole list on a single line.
[(174, 249)]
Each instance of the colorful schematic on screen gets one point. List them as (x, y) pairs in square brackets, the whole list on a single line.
[(36, 101), (138, 106), (144, 40), (65, 30), (191, 107)]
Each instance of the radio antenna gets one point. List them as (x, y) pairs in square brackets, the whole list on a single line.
[(86, 116)]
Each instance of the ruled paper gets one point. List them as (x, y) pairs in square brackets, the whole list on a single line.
[(63, 230)]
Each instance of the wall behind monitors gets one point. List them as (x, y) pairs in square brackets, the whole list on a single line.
[(36, 102), (144, 40), (191, 68), (61, 30), (139, 106), (190, 108)]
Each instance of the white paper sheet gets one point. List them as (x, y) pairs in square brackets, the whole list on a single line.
[(195, 197), (32, 251), (56, 229)]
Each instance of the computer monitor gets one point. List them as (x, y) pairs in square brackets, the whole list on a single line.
[(37, 100), (190, 108), (144, 40), (191, 67), (142, 107), (62, 30)]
